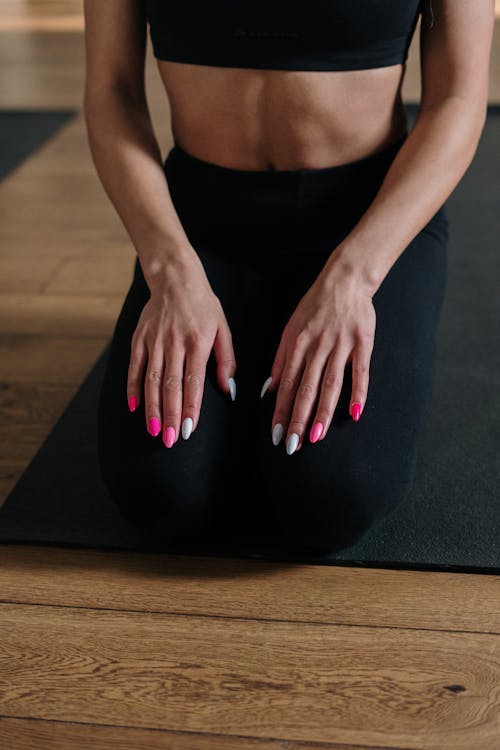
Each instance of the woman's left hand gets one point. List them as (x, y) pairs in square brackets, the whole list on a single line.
[(333, 324)]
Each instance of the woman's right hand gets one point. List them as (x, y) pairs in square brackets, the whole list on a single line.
[(178, 325)]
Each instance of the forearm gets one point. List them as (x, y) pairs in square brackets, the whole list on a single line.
[(128, 161), (425, 171)]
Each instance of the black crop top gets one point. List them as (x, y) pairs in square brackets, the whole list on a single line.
[(283, 34)]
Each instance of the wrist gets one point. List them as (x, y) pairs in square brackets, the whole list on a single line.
[(170, 267), (345, 263)]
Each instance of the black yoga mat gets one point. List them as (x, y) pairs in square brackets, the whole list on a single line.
[(23, 131), (450, 519)]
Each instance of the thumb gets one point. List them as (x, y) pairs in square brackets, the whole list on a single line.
[(226, 360)]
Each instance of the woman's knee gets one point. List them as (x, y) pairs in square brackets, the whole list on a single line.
[(327, 516), (157, 503)]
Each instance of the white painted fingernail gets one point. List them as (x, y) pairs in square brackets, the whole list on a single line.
[(187, 427), (292, 443), (266, 386), (277, 433), (232, 387)]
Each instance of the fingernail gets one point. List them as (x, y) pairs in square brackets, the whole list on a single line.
[(355, 411), (316, 431), (292, 443), (187, 427), (232, 387), (154, 426), (277, 433), (169, 437), (132, 403), (266, 386)]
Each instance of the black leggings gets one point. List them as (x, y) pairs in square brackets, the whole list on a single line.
[(263, 237)]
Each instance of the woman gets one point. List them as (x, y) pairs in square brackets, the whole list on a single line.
[(297, 232)]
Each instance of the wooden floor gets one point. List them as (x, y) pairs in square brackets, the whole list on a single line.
[(116, 650)]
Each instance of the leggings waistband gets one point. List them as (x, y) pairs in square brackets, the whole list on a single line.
[(220, 176)]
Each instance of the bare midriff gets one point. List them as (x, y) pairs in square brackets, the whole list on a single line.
[(252, 119)]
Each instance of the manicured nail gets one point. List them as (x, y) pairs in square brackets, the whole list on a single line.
[(292, 443), (169, 437), (355, 411), (187, 427), (266, 386), (232, 387), (132, 403), (316, 431), (154, 426), (277, 433)]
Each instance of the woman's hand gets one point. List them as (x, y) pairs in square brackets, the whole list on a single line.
[(333, 324), (178, 326)]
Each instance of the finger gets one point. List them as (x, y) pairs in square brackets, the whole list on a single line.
[(277, 366), (306, 395), (361, 357), (225, 358), (331, 387), (172, 393), (194, 380), (137, 363), (288, 384), (152, 389)]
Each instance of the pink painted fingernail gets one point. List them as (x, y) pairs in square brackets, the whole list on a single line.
[(169, 437), (154, 426), (316, 432), (132, 403), (355, 411)]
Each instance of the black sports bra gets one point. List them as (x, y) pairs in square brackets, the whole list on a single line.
[(283, 34)]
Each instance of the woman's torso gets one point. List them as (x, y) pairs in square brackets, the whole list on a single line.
[(281, 84), (283, 119)]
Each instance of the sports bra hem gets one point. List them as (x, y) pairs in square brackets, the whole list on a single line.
[(383, 55)]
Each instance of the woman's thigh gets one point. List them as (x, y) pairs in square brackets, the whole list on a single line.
[(180, 491), (329, 493)]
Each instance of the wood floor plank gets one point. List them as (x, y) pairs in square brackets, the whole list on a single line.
[(91, 276), (55, 205), (45, 69), (250, 589), (68, 315), (54, 359), (21, 734), (14, 279), (72, 243), (58, 14), (230, 676), (28, 410)]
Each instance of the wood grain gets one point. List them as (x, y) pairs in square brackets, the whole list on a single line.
[(250, 589), (232, 676), (19, 734)]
